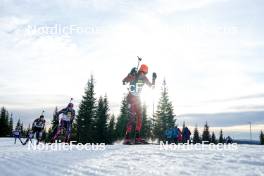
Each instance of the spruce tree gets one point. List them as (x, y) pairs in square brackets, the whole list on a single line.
[(54, 125), (4, 125), (146, 124), (196, 136), (49, 135), (10, 126), (18, 126), (2, 122), (206, 134), (164, 116), (111, 130), (44, 136), (55, 120), (101, 120), (213, 138), (261, 138), (122, 119), (74, 132), (221, 137), (23, 132), (86, 115)]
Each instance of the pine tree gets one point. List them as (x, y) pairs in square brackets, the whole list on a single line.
[(74, 132), (55, 120), (101, 120), (122, 119), (206, 134), (49, 135), (261, 138), (146, 124), (86, 115), (196, 136), (111, 130), (10, 126), (4, 125), (54, 125), (18, 124), (164, 117), (23, 131), (221, 137), (213, 138)]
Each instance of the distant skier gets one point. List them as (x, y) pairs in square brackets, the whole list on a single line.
[(17, 134), (38, 127), (175, 134), (136, 79), (169, 135), (30, 136), (186, 133), (68, 115), (179, 137), (229, 140)]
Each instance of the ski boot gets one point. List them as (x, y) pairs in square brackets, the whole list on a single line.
[(127, 140), (139, 140)]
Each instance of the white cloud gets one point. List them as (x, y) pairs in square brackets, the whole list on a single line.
[(170, 6)]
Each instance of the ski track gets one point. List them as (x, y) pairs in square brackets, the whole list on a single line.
[(121, 160)]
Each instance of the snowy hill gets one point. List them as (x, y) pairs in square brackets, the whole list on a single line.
[(124, 160)]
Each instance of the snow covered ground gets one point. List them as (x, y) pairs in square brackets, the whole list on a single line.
[(124, 160)]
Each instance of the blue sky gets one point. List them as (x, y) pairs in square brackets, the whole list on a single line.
[(209, 51)]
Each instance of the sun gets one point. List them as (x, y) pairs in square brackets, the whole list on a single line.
[(147, 97)]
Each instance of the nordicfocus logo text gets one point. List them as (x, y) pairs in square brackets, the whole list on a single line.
[(67, 146), (203, 146)]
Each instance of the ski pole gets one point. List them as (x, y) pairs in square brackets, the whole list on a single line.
[(139, 60)]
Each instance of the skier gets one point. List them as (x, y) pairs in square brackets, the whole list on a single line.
[(68, 115), (38, 127), (136, 79), (30, 136), (16, 134), (186, 133)]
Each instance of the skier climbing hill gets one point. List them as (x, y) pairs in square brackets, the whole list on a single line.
[(68, 115), (38, 127), (136, 79)]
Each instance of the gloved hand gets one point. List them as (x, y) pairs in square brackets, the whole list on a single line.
[(154, 76), (133, 71)]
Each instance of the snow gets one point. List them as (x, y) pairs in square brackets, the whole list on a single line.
[(122, 160)]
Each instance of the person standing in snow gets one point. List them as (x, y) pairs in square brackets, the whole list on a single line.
[(186, 133), (136, 79), (68, 115), (229, 140), (38, 127), (175, 134), (179, 137)]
